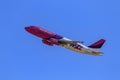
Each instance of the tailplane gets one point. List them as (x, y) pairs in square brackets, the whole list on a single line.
[(98, 44)]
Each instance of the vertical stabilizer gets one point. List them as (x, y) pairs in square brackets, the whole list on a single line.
[(97, 44)]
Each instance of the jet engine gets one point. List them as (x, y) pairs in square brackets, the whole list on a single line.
[(50, 41), (54, 41), (47, 42)]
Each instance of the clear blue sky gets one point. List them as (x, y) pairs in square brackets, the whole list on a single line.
[(24, 57)]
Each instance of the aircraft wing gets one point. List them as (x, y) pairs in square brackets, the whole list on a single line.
[(68, 42)]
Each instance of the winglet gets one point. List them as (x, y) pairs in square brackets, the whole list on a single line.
[(97, 44)]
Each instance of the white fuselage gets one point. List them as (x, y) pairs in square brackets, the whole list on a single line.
[(79, 47)]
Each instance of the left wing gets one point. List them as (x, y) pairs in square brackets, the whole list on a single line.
[(69, 42)]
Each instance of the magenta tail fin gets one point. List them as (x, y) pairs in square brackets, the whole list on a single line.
[(97, 44)]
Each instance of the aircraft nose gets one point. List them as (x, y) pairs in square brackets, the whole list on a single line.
[(27, 29), (30, 28)]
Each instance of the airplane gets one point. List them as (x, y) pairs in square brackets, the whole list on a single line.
[(50, 38)]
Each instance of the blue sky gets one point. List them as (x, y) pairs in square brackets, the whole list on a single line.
[(24, 57)]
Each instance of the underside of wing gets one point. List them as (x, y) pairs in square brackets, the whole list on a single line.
[(68, 42)]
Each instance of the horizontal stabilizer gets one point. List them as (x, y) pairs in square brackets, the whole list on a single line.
[(97, 44)]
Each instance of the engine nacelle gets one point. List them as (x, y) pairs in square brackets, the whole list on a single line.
[(50, 41), (47, 42), (54, 41)]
